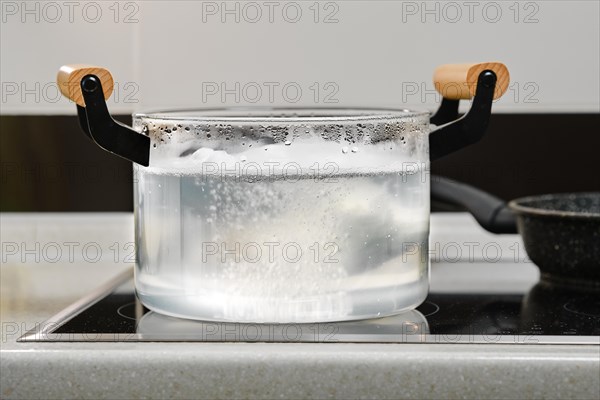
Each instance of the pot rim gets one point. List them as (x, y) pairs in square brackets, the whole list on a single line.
[(328, 114)]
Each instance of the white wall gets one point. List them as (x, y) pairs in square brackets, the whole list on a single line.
[(372, 53)]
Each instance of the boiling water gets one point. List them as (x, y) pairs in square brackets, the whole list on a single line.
[(282, 249)]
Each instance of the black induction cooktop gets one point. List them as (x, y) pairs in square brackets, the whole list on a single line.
[(546, 314)]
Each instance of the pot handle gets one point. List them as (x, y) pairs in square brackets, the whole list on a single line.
[(492, 213), (69, 81), (459, 81), (484, 83), (90, 86)]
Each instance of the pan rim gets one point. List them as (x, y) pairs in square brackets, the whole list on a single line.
[(519, 207)]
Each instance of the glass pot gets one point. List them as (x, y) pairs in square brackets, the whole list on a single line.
[(284, 215)]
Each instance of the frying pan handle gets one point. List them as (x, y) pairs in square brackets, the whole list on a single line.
[(484, 83), (89, 86), (492, 213)]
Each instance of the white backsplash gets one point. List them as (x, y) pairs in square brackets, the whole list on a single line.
[(173, 54)]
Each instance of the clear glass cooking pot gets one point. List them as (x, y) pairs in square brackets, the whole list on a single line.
[(284, 215)]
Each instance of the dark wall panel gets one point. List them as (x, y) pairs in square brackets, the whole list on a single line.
[(47, 164), (527, 154)]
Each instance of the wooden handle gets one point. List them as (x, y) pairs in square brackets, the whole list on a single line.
[(69, 81), (459, 81)]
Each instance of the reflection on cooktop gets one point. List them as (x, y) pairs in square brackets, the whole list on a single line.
[(544, 315)]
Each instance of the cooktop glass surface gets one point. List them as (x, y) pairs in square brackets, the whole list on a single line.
[(545, 314)]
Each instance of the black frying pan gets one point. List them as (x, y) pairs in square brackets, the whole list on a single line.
[(561, 232)]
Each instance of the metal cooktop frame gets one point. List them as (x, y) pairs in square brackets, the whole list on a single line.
[(345, 331)]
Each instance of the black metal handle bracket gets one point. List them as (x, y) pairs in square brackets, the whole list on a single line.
[(123, 141), (470, 128), (111, 135)]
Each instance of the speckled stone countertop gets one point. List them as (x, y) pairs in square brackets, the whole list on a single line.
[(44, 270)]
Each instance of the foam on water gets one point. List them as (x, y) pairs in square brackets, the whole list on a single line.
[(300, 157)]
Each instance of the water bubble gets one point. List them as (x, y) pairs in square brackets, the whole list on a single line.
[(354, 149), (287, 143), (243, 158), (344, 149)]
